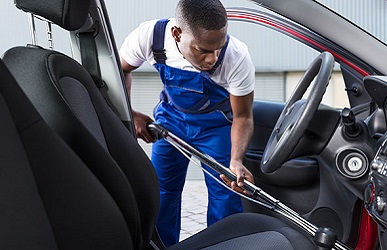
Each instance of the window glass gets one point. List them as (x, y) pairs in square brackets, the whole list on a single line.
[(280, 62)]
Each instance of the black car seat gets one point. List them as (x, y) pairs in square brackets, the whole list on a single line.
[(114, 167), (50, 199)]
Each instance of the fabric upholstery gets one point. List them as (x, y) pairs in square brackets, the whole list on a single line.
[(49, 198), (43, 83), (247, 231), (20, 203)]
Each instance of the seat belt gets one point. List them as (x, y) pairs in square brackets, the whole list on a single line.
[(89, 57)]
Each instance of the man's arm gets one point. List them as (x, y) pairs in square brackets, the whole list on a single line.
[(127, 69), (241, 132), (140, 119)]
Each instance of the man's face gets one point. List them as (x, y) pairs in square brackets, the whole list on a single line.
[(202, 48)]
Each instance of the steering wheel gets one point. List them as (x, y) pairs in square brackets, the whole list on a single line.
[(297, 113)]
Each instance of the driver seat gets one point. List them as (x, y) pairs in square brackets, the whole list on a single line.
[(96, 188)]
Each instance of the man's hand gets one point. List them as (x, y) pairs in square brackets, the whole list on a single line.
[(140, 121), (242, 173)]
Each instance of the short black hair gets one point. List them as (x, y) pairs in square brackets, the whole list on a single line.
[(201, 14)]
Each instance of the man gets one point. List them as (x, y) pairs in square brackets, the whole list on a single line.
[(208, 79)]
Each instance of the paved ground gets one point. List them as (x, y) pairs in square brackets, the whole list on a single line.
[(194, 208)]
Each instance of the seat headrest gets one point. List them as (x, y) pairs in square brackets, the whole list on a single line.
[(68, 14)]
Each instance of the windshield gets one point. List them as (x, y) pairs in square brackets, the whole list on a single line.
[(369, 15)]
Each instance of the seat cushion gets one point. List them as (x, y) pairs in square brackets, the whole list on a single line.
[(247, 231)]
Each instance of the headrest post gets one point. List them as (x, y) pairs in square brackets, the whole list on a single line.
[(49, 36), (31, 20)]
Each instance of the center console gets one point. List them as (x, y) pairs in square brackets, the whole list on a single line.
[(375, 196)]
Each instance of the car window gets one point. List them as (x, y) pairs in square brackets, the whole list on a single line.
[(280, 62)]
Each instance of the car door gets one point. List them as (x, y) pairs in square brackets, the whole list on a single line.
[(297, 182)]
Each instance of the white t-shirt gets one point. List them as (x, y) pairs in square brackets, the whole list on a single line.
[(236, 73)]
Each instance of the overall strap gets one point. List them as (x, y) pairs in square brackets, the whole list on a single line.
[(221, 56), (158, 45), (158, 41)]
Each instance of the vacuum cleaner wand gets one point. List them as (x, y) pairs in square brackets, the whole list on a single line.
[(159, 132)]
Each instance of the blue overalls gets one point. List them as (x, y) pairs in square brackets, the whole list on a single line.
[(198, 111)]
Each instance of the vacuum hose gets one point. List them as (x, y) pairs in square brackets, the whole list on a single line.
[(324, 238)]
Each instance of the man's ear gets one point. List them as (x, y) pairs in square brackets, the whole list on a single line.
[(176, 33)]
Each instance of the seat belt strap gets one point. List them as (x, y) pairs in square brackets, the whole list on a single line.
[(90, 62), (89, 57)]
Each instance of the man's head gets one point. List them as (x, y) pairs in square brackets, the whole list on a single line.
[(194, 15), (201, 31)]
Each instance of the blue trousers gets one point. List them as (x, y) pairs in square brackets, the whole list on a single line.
[(209, 133)]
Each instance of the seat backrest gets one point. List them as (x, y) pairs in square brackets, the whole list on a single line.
[(66, 97), (49, 198)]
